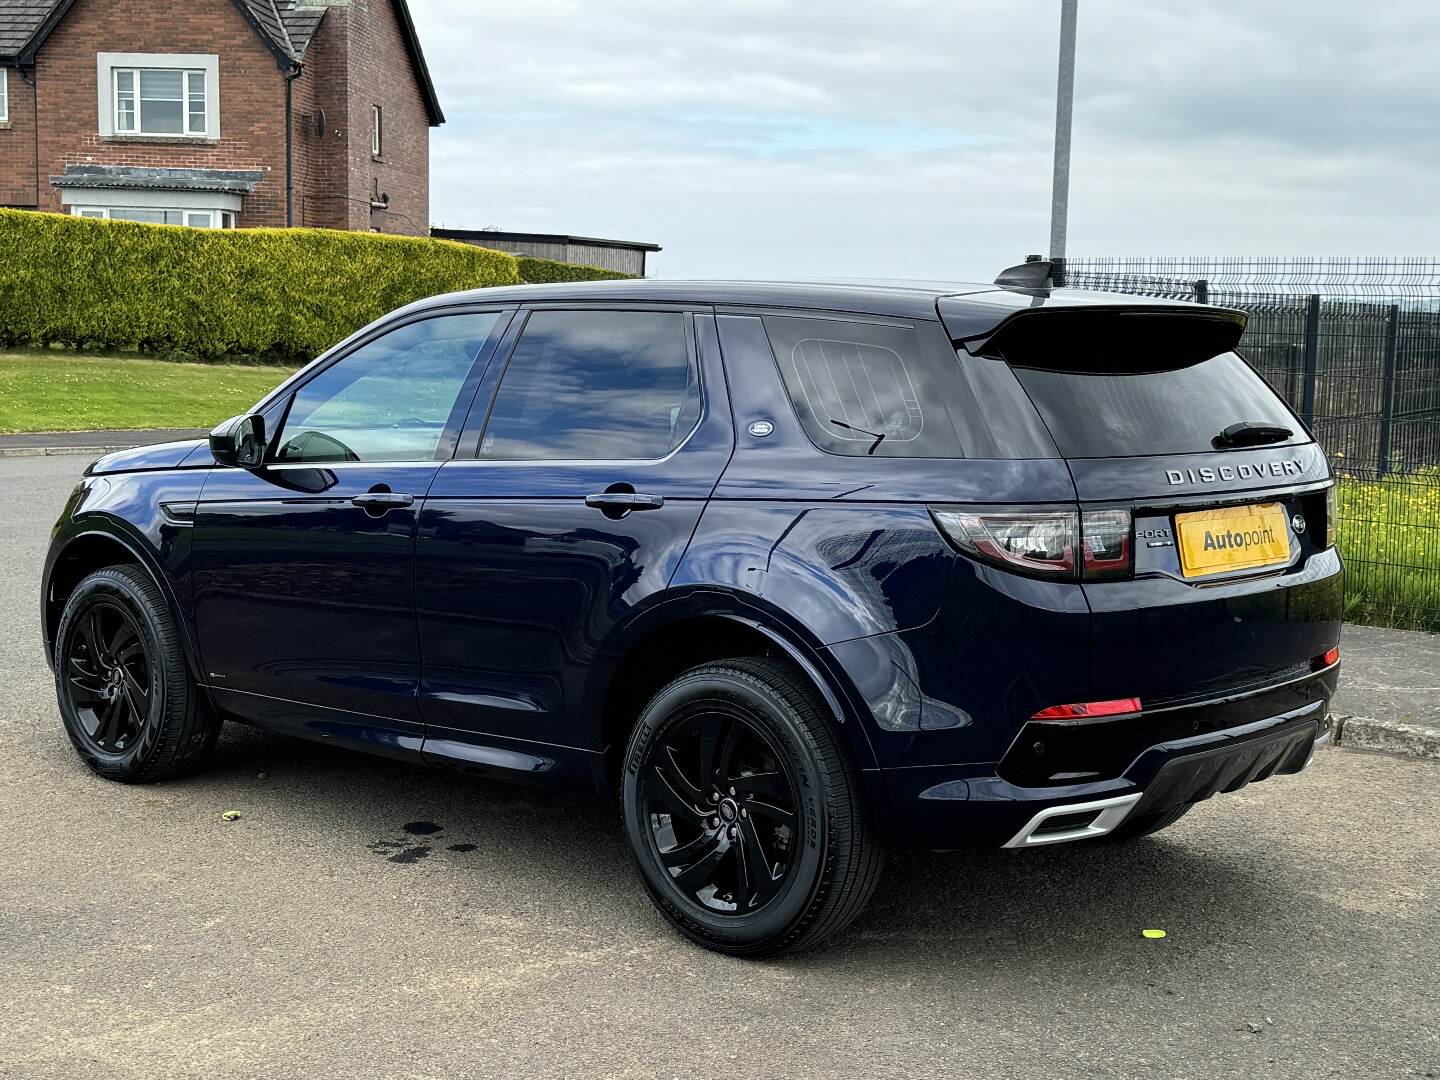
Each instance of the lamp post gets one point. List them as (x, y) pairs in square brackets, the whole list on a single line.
[(1064, 102)]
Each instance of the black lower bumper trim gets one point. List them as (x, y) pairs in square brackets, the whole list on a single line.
[(1196, 777)]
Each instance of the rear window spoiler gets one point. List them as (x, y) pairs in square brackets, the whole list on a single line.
[(1129, 337)]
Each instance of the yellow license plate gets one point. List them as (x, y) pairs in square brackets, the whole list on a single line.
[(1235, 538)]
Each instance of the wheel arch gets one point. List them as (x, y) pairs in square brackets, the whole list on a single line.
[(703, 626), (103, 542)]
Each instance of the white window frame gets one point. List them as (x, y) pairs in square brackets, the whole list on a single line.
[(188, 78), (377, 137), (207, 66), (215, 219), (4, 95)]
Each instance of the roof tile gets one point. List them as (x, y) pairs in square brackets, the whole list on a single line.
[(19, 19)]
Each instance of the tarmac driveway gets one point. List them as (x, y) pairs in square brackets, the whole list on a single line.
[(369, 919)]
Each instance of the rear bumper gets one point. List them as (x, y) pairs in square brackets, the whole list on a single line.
[(963, 806)]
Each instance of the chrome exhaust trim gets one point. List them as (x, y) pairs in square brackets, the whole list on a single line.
[(1323, 739), (1109, 814)]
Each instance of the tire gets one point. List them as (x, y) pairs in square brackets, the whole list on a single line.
[(130, 707), (743, 812), (1134, 827)]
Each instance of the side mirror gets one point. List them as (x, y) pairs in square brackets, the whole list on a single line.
[(240, 441)]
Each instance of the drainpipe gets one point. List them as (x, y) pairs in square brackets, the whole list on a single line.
[(290, 76)]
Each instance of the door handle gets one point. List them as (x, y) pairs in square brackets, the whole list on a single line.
[(377, 502), (621, 501)]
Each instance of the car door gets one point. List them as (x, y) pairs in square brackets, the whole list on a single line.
[(304, 576), (570, 505)]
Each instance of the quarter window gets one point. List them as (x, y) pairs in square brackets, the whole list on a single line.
[(866, 388), (389, 400), (595, 385)]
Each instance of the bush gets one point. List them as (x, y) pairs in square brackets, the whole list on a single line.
[(547, 271), (283, 294)]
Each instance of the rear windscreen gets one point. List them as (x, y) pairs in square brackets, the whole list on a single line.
[(1130, 414)]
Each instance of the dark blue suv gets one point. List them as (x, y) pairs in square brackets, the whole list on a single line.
[(796, 572)]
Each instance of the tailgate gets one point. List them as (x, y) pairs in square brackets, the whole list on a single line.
[(1231, 583)]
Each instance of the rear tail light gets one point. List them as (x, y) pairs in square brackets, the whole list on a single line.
[(1089, 710), (1106, 543), (1332, 515), (1036, 541), (1329, 658), (1047, 542)]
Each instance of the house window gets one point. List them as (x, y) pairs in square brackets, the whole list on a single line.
[(4, 96), (159, 101), (377, 144), (175, 95), (152, 215)]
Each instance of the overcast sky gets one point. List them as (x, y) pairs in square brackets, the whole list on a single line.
[(761, 138)]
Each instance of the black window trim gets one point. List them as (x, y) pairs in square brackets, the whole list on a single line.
[(473, 434), (899, 322), (275, 407)]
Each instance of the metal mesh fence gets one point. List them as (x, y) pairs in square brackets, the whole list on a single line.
[(1354, 346)]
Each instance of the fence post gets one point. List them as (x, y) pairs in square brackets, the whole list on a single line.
[(1387, 385), (1202, 291), (1312, 361)]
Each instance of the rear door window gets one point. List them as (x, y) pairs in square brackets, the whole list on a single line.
[(1098, 413), (595, 386)]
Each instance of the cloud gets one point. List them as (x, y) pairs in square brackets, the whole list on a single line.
[(762, 138)]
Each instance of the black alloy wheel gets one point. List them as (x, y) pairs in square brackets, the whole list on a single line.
[(743, 810), (721, 809), (110, 677), (126, 695)]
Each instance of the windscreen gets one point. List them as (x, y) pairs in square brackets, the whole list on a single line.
[(1132, 413)]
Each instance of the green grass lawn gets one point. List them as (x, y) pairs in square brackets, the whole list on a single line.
[(63, 392), (1390, 537)]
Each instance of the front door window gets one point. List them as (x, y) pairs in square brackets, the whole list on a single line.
[(389, 400)]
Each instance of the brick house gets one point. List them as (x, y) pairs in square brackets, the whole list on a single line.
[(217, 113)]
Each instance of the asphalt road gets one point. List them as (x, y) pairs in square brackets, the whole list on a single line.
[(143, 937)]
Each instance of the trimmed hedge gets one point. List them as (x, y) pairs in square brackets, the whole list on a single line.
[(535, 271), (283, 294)]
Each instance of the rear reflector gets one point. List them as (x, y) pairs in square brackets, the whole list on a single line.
[(1327, 659), (1088, 709)]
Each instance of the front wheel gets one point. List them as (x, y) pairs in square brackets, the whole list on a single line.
[(129, 704), (743, 813)]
